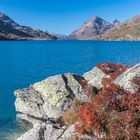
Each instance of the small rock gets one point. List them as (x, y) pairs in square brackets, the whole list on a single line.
[(125, 80), (68, 133), (33, 134), (53, 133), (94, 77)]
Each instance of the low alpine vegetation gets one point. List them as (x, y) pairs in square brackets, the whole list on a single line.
[(112, 70), (113, 113), (70, 115)]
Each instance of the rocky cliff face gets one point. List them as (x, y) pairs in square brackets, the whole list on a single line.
[(94, 27), (52, 104), (9, 29)]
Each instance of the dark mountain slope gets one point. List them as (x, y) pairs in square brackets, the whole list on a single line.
[(11, 30)]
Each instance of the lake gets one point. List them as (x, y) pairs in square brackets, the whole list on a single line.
[(25, 62)]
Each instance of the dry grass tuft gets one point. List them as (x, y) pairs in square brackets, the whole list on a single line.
[(70, 115)]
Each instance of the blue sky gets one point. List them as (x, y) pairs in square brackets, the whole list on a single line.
[(63, 16)]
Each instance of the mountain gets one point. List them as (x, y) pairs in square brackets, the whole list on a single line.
[(116, 22), (61, 36), (11, 30), (93, 27), (129, 30)]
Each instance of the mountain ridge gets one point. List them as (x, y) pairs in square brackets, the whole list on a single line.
[(11, 30), (128, 30), (93, 27)]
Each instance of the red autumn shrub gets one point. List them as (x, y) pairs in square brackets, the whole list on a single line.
[(109, 68), (113, 70), (109, 97), (131, 102), (88, 121), (88, 118), (114, 112), (123, 126)]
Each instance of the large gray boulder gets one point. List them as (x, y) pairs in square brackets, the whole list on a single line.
[(125, 80), (50, 98)]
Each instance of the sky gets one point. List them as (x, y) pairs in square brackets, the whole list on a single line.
[(64, 16)]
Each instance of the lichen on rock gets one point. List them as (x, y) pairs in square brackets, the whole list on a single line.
[(125, 80)]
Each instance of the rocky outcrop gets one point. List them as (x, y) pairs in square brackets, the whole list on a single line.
[(44, 103), (125, 80), (50, 98)]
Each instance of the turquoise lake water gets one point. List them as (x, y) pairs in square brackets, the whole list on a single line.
[(25, 62)]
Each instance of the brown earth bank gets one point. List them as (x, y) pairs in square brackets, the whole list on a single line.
[(103, 103)]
